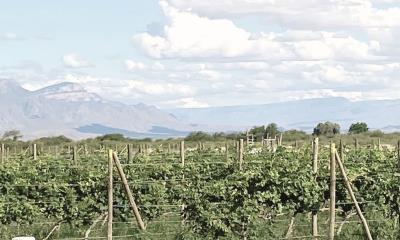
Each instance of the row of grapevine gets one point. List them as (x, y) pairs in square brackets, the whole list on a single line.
[(267, 195)]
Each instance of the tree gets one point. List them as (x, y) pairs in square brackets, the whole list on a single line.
[(112, 137), (54, 140), (327, 128), (271, 130), (360, 127), (12, 134), (293, 135), (258, 132), (198, 136)]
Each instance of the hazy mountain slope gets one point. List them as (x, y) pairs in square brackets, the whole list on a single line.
[(304, 114), (65, 108), (69, 109)]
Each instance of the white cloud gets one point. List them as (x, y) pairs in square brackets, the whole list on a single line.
[(132, 65), (186, 103), (209, 53), (9, 36), (301, 14), (159, 88), (74, 60), (188, 35)]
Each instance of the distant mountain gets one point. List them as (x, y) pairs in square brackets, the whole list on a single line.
[(303, 114), (68, 109)]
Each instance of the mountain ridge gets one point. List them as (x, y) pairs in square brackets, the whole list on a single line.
[(300, 114), (64, 108), (69, 109)]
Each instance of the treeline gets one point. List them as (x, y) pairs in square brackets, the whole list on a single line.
[(325, 129)]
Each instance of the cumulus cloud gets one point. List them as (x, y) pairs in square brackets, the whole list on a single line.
[(132, 65), (301, 14), (188, 35), (159, 88), (203, 54), (74, 60), (187, 103)]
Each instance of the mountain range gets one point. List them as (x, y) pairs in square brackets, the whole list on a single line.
[(302, 114), (68, 109)]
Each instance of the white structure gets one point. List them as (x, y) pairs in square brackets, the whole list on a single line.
[(23, 238)]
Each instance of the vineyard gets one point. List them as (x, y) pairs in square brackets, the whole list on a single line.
[(200, 191)]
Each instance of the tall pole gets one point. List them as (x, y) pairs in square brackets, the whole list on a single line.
[(315, 172), (398, 154), (110, 195), (226, 151), (182, 152), (130, 152), (34, 151), (241, 154), (2, 153), (332, 188)]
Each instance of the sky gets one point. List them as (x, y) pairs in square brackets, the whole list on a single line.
[(191, 53)]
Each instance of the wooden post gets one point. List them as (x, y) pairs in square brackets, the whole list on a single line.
[(74, 155), (379, 144), (169, 148), (130, 152), (332, 189), (56, 151), (226, 151), (34, 152), (315, 171), (241, 154), (182, 151), (353, 197), (128, 192), (2, 153), (356, 143), (280, 139), (398, 154), (85, 149), (341, 149), (110, 196)]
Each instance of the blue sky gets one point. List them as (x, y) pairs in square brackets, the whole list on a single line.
[(187, 53), (47, 30)]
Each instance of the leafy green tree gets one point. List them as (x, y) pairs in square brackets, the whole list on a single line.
[(14, 135), (271, 130), (377, 133), (54, 140), (258, 132), (198, 136), (327, 128), (359, 127), (293, 135), (112, 137)]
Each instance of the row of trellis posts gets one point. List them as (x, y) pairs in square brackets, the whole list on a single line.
[(336, 159)]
